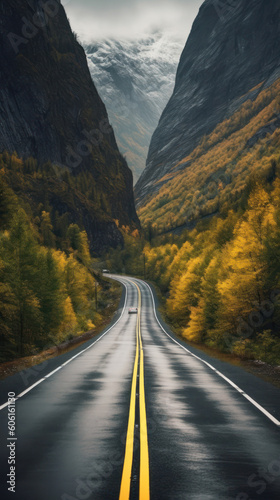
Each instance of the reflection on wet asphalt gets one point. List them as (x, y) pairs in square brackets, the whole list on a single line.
[(205, 440)]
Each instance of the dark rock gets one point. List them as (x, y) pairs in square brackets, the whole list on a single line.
[(232, 48), (51, 110), (269, 129)]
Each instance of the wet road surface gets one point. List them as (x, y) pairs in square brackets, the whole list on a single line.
[(136, 410)]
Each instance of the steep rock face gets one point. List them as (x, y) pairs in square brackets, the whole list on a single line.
[(135, 79), (51, 110), (230, 51)]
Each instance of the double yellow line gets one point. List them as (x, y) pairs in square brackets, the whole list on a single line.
[(144, 477)]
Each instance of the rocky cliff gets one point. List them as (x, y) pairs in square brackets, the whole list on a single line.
[(232, 54), (51, 110)]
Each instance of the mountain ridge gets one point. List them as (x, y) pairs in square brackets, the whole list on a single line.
[(50, 110), (215, 176), (223, 61)]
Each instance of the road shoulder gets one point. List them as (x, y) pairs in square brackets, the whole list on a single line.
[(263, 392), (23, 379)]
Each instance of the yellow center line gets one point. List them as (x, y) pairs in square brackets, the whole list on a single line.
[(144, 478), (144, 482)]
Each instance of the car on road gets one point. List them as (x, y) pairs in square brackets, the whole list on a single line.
[(133, 310), (105, 271)]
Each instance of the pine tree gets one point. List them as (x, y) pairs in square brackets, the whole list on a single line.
[(196, 329), (19, 252), (50, 292), (8, 204), (73, 235), (46, 229)]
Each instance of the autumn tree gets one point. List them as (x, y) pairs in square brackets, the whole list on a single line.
[(8, 204), (19, 251), (78, 241), (50, 292), (244, 273), (46, 229)]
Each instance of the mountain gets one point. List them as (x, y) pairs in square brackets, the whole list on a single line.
[(51, 110), (232, 55), (135, 78)]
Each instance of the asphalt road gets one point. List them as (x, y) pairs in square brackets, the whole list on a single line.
[(138, 414)]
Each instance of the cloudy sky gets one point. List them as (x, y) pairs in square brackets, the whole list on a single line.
[(95, 19)]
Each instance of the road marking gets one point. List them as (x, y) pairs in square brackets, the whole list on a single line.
[(6, 404), (73, 357), (30, 388), (128, 458), (144, 477), (52, 373), (144, 482), (246, 396)]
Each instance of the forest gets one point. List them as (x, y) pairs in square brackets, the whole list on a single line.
[(220, 281), (212, 179), (49, 292)]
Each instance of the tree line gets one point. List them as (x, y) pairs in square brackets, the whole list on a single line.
[(220, 281), (47, 285)]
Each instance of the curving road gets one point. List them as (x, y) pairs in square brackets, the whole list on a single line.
[(138, 414)]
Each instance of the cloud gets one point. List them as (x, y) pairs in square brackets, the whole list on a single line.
[(99, 19)]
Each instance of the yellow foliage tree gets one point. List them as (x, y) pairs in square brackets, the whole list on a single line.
[(196, 328), (244, 270), (69, 323), (185, 291)]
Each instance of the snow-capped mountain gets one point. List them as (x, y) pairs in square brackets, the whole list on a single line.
[(135, 79)]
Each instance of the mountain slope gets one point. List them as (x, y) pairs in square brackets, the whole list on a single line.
[(215, 176), (50, 109), (226, 61), (135, 78)]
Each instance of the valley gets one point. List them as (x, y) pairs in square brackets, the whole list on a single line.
[(135, 78), (140, 305)]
